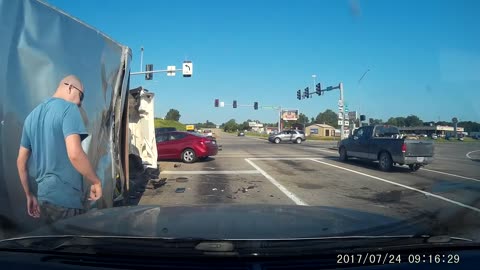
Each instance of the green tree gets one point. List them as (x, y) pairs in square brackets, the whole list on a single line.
[(396, 121), (443, 123), (173, 114), (373, 121), (245, 125), (413, 121), (302, 119), (392, 121), (469, 126), (209, 124), (230, 126), (328, 117)]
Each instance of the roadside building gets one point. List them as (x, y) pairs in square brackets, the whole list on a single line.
[(297, 126), (429, 130), (321, 130), (270, 130), (256, 126)]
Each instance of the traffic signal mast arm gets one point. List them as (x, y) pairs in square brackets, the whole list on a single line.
[(318, 90)]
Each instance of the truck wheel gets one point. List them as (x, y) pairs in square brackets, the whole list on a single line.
[(277, 140), (414, 167), (385, 162), (343, 154), (298, 140)]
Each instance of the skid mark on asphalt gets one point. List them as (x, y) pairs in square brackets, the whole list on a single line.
[(400, 185), (288, 193)]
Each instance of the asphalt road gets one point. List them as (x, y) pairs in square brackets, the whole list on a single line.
[(444, 196)]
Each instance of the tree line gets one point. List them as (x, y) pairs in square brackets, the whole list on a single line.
[(330, 117)]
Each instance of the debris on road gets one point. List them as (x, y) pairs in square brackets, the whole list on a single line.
[(180, 190), (156, 183)]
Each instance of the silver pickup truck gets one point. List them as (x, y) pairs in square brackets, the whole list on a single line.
[(385, 144)]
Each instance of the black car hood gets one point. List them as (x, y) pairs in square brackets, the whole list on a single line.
[(231, 222)]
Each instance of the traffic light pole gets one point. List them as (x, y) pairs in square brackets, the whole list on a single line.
[(319, 91), (342, 126), (141, 59)]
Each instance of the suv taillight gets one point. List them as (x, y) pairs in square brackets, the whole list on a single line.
[(404, 147)]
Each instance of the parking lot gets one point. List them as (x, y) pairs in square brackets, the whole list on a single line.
[(443, 196)]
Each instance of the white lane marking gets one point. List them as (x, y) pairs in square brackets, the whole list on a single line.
[(327, 151), (211, 172), (468, 154), (256, 138), (283, 189), (401, 185), (264, 156), (287, 158), (449, 174)]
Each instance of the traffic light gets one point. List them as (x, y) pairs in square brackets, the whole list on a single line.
[(306, 92), (216, 102), (299, 94), (148, 76), (234, 104), (318, 89), (255, 105), (362, 118)]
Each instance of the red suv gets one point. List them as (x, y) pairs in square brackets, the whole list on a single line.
[(187, 146)]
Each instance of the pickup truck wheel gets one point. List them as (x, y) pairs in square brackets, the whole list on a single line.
[(385, 162), (343, 154), (277, 140), (414, 167), (298, 140)]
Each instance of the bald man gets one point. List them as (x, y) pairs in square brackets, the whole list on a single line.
[(52, 136)]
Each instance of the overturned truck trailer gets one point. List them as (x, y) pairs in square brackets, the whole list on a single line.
[(40, 45)]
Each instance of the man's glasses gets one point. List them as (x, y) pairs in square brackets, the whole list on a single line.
[(82, 95)]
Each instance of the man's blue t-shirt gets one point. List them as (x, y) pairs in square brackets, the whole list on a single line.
[(44, 133)]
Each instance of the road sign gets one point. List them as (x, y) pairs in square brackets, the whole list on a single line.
[(340, 109), (290, 115), (346, 123), (340, 115), (340, 103), (170, 71), (340, 122), (187, 69), (222, 104), (353, 115)]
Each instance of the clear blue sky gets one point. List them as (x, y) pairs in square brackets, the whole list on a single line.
[(423, 56)]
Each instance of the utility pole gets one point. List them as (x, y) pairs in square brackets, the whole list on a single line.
[(141, 59)]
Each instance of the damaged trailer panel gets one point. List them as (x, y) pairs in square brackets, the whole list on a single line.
[(40, 45)]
